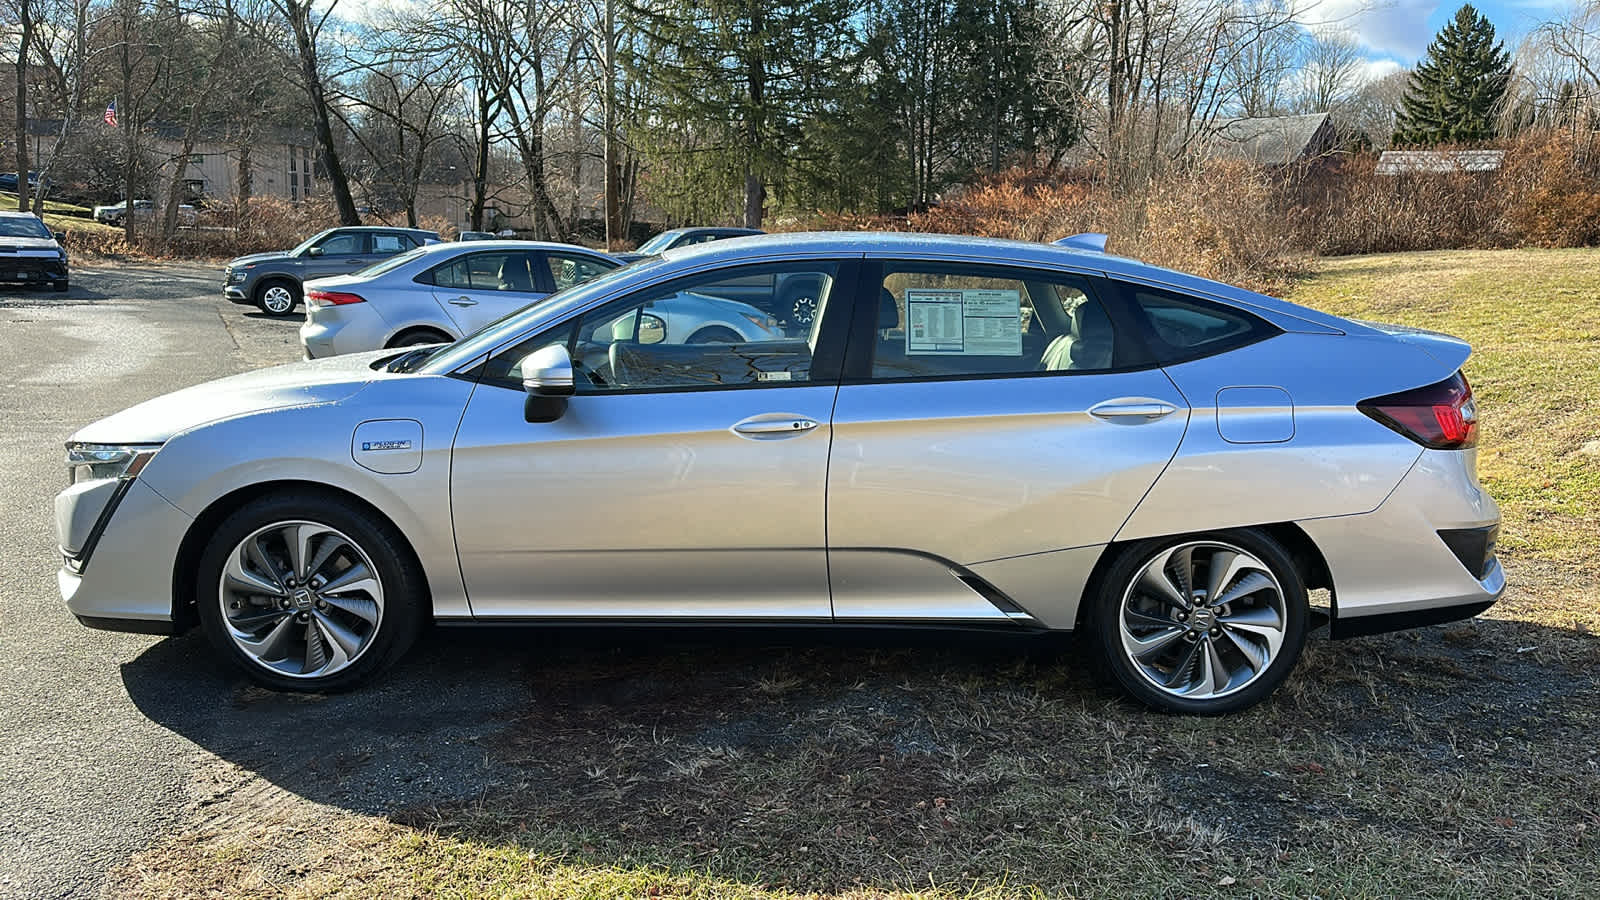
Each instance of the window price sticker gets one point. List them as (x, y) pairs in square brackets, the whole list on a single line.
[(964, 322)]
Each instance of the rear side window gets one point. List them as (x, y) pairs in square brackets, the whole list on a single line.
[(390, 243), (950, 320), (1180, 327), (507, 271)]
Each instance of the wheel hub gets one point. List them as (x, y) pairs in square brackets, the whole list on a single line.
[(303, 598), (1202, 619)]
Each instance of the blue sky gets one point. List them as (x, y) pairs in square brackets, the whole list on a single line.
[(1394, 33)]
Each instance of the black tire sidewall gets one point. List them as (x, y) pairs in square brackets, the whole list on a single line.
[(1106, 600), (404, 591)]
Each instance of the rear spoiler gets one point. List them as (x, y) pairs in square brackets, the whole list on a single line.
[(1090, 241)]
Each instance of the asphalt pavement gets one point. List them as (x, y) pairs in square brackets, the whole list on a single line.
[(109, 741)]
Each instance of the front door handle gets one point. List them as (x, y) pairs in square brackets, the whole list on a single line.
[(769, 426), (1132, 410), (463, 301)]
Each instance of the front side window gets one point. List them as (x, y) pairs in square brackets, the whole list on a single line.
[(342, 244), (949, 320), (505, 271), (567, 270), (689, 334)]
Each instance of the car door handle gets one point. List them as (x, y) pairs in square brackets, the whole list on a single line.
[(770, 426), (463, 301), (1133, 409)]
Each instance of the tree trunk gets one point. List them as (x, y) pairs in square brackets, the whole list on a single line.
[(613, 170), (25, 12), (755, 188), (480, 163), (311, 80)]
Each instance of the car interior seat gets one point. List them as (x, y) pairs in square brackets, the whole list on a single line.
[(514, 274), (1087, 345)]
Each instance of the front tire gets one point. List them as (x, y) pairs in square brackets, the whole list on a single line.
[(1204, 624), (309, 592), (278, 297)]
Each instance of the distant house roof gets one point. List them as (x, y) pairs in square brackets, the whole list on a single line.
[(1272, 140), (1402, 162)]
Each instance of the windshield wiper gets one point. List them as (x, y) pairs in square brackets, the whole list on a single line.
[(410, 362)]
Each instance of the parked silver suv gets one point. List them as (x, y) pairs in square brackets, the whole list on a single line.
[(272, 281)]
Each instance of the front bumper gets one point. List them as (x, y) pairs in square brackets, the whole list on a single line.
[(32, 269), (126, 574), (1392, 568)]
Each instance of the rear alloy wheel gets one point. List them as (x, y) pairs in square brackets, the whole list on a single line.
[(1202, 625), (308, 593), (277, 298)]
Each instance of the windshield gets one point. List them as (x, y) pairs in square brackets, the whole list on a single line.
[(393, 262), (658, 244), (308, 243), (507, 326), (20, 227)]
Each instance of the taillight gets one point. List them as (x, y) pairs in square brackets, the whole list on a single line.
[(1440, 416), (332, 298)]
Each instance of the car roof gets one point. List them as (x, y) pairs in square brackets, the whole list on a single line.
[(1002, 251), (512, 244), (16, 214), (381, 228)]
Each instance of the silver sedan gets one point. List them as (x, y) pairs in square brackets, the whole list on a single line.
[(437, 293), (971, 433)]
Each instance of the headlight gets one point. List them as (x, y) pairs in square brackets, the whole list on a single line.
[(237, 275), (93, 462)]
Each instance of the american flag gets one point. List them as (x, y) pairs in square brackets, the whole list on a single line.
[(111, 114)]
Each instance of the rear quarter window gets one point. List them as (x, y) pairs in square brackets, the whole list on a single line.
[(1179, 327)]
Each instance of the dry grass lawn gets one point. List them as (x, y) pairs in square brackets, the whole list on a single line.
[(1452, 761)]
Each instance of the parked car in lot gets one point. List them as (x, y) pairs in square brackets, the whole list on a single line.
[(8, 182), (143, 210), (683, 237), (272, 281), (973, 433), (438, 293), (30, 253)]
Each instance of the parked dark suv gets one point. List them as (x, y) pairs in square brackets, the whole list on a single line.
[(272, 280)]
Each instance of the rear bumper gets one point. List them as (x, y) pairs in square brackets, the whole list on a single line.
[(331, 331), (1392, 568)]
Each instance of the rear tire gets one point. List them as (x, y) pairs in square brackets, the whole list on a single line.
[(714, 334), (306, 591), (1201, 624), (417, 337), (278, 297), (61, 286)]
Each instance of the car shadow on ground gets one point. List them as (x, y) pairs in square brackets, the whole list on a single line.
[(830, 764), (34, 295)]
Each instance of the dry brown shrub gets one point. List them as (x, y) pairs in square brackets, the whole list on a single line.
[(1552, 192)]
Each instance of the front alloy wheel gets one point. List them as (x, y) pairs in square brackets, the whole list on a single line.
[(276, 299), (301, 599), (1203, 625), (309, 591)]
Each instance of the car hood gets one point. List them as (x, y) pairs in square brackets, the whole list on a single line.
[(26, 243), (297, 384), (1449, 350), (254, 258)]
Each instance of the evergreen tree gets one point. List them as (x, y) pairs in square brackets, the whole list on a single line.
[(1455, 91)]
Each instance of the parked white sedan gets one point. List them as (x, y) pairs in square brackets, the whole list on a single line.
[(437, 293)]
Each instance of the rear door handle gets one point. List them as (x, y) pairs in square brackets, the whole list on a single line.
[(463, 301), (769, 425), (1132, 410)]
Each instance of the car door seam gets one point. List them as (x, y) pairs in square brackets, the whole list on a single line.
[(1188, 419)]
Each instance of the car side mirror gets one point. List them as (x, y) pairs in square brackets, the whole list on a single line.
[(547, 379), (314, 251)]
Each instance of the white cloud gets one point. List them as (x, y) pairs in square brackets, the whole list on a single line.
[(1374, 69), (1397, 28)]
